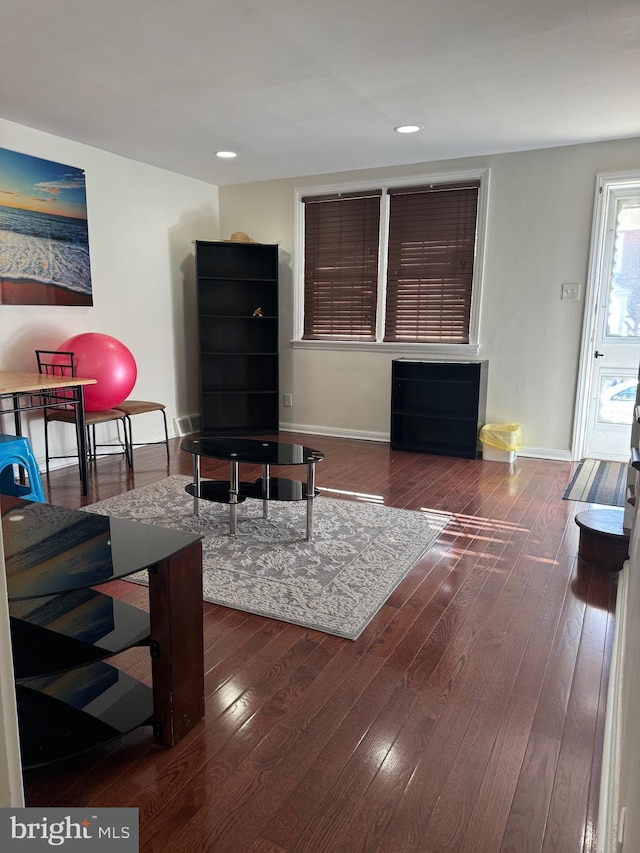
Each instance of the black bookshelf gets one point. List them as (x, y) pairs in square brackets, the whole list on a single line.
[(438, 406), (237, 286)]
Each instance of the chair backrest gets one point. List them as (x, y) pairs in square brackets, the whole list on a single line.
[(56, 363)]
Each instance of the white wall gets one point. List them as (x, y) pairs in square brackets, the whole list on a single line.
[(142, 223), (540, 213)]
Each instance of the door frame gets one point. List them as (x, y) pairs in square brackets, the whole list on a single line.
[(591, 297)]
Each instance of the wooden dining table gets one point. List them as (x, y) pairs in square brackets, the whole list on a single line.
[(27, 392)]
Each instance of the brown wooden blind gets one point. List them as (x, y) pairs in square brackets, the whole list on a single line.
[(341, 266), (432, 238)]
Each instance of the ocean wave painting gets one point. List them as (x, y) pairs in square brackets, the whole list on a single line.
[(44, 238)]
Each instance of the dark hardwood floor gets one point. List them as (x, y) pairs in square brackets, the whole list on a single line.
[(468, 716)]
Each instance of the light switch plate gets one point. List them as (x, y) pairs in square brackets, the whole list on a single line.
[(570, 292)]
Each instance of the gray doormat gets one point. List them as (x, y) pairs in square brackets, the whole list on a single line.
[(599, 482)]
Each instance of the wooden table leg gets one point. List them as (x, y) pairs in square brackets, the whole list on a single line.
[(177, 653)]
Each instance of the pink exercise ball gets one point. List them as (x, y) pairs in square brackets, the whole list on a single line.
[(106, 359)]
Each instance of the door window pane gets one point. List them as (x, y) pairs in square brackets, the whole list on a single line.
[(617, 399), (624, 292)]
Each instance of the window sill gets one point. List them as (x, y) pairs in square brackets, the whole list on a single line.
[(434, 350)]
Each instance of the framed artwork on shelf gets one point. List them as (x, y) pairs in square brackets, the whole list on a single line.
[(44, 236)]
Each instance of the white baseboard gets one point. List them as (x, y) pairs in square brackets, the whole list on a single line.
[(335, 432), (546, 453), (189, 424), (341, 432)]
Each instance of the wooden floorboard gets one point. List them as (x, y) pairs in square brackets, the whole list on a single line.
[(468, 717)]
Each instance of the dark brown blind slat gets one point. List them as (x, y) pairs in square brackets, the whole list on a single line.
[(341, 266), (432, 237)]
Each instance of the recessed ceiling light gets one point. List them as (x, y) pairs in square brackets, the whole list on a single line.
[(226, 155), (408, 128)]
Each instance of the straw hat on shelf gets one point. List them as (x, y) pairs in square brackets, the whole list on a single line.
[(239, 237)]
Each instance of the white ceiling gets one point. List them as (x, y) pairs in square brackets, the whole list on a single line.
[(299, 87)]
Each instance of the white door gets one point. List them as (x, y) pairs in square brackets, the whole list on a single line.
[(614, 351)]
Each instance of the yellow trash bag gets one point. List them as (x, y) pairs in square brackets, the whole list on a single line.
[(506, 437)]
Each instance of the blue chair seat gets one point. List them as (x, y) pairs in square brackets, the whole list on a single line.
[(16, 450)]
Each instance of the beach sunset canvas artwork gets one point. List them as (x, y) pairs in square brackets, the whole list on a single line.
[(44, 238)]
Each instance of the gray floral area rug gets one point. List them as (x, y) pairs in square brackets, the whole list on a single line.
[(335, 583)]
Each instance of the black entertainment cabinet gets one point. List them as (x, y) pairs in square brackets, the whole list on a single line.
[(438, 406), (67, 630), (237, 286)]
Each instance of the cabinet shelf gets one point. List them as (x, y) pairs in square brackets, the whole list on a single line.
[(238, 352), (435, 415), (253, 319), (77, 711), (61, 632), (235, 355), (238, 391), (237, 278)]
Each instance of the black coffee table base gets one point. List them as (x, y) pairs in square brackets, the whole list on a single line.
[(281, 489), (266, 488)]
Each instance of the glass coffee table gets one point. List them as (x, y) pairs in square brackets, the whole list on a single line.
[(266, 488)]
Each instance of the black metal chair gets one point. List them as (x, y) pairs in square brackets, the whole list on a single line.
[(56, 363), (141, 407)]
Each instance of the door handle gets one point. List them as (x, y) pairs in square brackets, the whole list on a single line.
[(598, 354)]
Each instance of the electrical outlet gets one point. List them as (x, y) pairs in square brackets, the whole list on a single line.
[(288, 399), (570, 292)]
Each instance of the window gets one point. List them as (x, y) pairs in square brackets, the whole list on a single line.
[(393, 264), (341, 266), (432, 240)]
